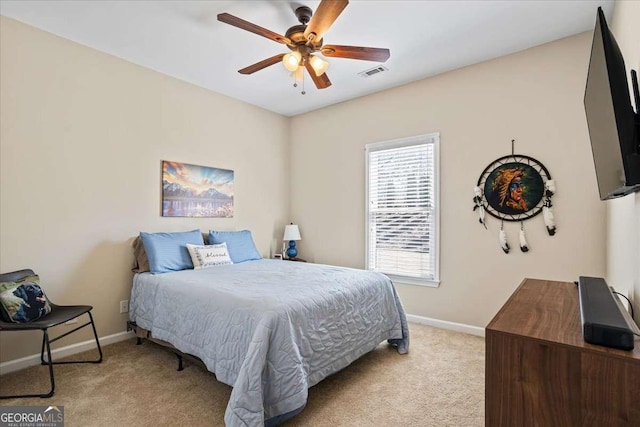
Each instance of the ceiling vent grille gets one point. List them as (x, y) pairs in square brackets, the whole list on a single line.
[(373, 71)]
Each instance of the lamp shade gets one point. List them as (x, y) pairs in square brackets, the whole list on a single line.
[(318, 65), (291, 60), (291, 232)]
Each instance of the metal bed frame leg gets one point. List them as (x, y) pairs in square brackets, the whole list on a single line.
[(131, 326), (180, 365)]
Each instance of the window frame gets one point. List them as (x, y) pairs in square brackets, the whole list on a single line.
[(430, 138)]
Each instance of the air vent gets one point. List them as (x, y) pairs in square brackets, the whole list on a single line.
[(372, 71)]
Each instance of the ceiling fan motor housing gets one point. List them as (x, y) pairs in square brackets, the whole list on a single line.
[(296, 35), (303, 13)]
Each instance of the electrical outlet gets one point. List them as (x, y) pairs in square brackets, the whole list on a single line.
[(124, 306), (71, 322)]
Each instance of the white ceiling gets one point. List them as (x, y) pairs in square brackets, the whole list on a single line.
[(184, 39)]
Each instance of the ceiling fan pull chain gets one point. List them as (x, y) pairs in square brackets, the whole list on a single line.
[(303, 91)]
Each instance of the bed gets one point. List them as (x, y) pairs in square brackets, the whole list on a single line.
[(270, 329)]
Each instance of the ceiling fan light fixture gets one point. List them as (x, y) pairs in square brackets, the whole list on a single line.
[(318, 65), (291, 60), (306, 39)]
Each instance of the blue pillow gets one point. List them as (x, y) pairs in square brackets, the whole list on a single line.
[(168, 251), (239, 244)]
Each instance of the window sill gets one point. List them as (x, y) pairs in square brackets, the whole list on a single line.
[(413, 281)]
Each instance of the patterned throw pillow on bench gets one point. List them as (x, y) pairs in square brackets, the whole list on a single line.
[(23, 301)]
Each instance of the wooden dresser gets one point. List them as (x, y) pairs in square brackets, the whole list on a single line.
[(540, 372)]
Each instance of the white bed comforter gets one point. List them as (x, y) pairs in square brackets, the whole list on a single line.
[(270, 329)]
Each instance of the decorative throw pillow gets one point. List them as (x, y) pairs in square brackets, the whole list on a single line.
[(168, 251), (142, 262), (209, 256), (239, 243), (23, 301)]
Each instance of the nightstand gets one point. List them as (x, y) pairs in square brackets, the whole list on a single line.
[(296, 259)]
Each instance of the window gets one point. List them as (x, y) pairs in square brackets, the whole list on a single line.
[(402, 209)]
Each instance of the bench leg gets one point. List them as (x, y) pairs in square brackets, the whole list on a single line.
[(45, 345), (95, 334), (53, 384)]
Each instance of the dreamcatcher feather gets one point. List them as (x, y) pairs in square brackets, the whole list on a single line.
[(524, 247), (477, 200), (547, 214), (502, 237)]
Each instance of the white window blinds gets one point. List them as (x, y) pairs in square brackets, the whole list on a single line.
[(402, 208)]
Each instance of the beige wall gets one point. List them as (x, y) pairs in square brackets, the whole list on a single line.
[(534, 97), (82, 138), (623, 215)]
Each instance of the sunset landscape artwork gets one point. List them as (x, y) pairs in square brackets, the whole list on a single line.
[(196, 191)]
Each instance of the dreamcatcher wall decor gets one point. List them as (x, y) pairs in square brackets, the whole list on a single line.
[(515, 188)]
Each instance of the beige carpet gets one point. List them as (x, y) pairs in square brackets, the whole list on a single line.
[(439, 383)]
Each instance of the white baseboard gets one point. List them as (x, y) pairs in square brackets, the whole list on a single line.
[(443, 324), (33, 360)]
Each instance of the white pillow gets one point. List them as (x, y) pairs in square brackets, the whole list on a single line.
[(209, 256)]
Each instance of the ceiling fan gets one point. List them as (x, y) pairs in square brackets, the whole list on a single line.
[(306, 39)]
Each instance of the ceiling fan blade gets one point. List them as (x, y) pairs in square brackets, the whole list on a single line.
[(326, 13), (256, 29), (262, 64), (322, 81), (356, 52)]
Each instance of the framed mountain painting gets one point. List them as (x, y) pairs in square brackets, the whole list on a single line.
[(196, 191)]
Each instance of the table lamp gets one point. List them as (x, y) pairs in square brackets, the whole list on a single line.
[(292, 233)]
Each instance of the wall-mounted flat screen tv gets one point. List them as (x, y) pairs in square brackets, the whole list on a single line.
[(613, 124)]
